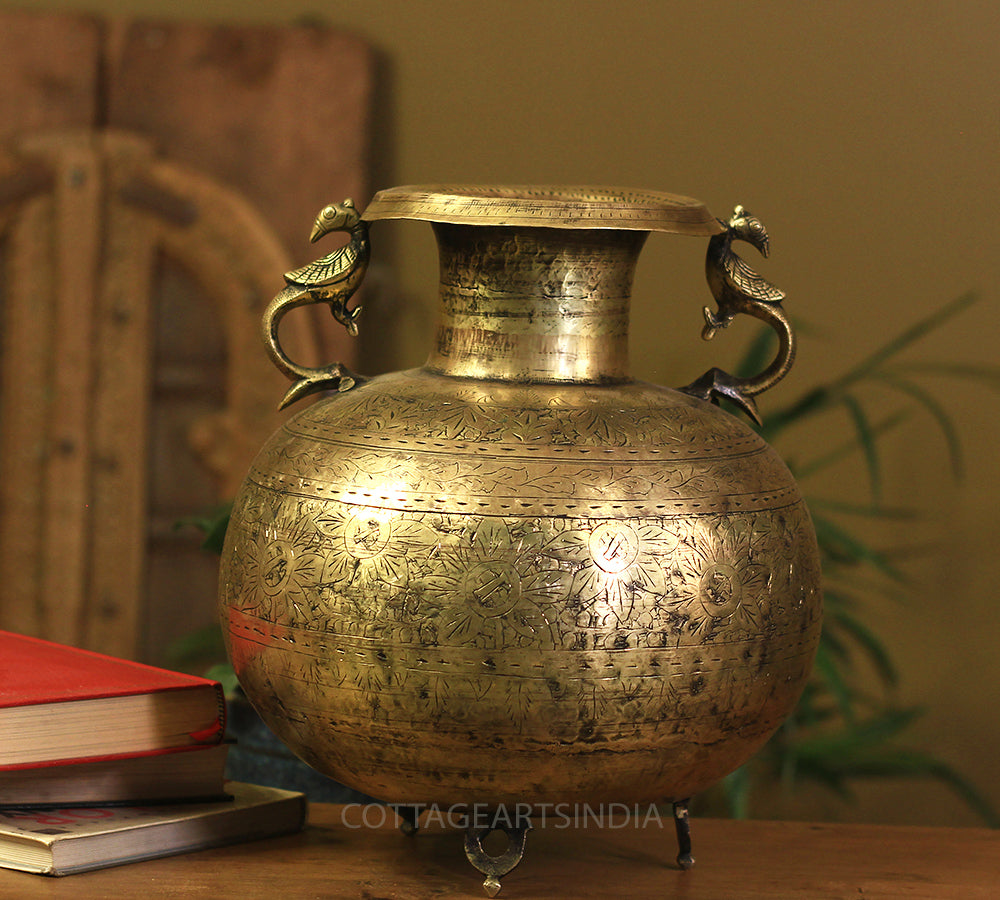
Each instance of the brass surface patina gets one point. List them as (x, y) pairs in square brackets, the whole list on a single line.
[(517, 575)]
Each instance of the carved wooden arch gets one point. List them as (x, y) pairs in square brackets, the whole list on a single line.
[(238, 259), (83, 218)]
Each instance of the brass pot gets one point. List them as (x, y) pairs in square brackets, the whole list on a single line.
[(517, 575)]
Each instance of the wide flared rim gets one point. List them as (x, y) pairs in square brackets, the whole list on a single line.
[(549, 206)]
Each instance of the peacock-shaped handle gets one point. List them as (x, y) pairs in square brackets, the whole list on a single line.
[(333, 279), (737, 288)]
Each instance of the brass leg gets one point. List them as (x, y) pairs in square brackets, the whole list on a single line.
[(411, 819), (495, 867), (682, 823)]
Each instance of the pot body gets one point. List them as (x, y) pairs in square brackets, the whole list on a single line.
[(516, 575)]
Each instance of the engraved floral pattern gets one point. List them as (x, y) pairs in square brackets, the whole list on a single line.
[(500, 561), (278, 562), (443, 410), (369, 547), (619, 562), (721, 586), (491, 591)]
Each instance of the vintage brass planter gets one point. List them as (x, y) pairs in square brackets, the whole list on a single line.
[(517, 575)]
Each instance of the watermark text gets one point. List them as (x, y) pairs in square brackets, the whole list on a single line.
[(481, 816)]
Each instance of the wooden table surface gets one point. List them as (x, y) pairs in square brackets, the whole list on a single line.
[(335, 858)]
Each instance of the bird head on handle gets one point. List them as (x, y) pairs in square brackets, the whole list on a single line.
[(747, 227), (335, 217)]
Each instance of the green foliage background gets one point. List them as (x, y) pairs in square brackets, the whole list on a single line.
[(843, 732)]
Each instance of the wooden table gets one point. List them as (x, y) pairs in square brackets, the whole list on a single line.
[(335, 858)]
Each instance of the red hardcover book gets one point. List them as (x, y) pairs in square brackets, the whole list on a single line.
[(62, 705)]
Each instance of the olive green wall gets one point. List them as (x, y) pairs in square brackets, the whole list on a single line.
[(865, 135)]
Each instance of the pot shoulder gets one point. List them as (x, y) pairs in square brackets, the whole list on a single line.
[(474, 446)]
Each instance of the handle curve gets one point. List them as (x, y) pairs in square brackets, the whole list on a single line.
[(738, 289), (333, 279)]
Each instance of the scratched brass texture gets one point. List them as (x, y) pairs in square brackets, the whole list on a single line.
[(518, 575)]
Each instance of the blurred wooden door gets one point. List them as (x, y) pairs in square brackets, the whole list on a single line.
[(155, 180)]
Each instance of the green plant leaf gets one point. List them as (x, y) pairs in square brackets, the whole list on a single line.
[(838, 731), (842, 546), (842, 451), (897, 763), (843, 583), (737, 786), (832, 644), (809, 404), (850, 741), (197, 647), (867, 442), (812, 709), (874, 649), (824, 396), (212, 524), (224, 674), (937, 411), (835, 598), (987, 375), (829, 672), (904, 339)]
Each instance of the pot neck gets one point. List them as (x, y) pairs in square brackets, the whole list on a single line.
[(534, 304)]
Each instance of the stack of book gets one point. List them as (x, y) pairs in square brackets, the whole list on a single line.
[(129, 758)]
